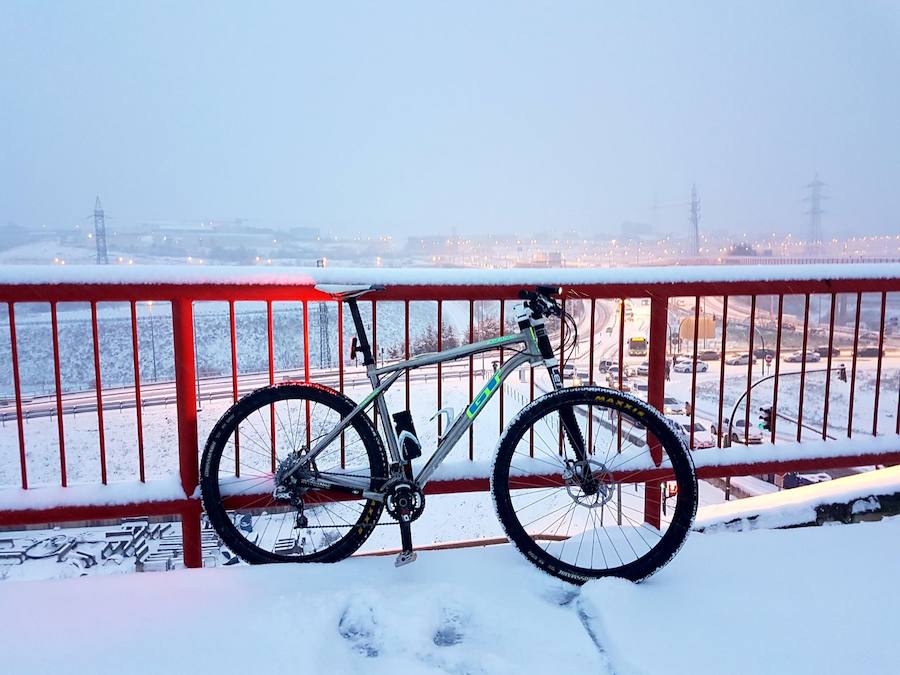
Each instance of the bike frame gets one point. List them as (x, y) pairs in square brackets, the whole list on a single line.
[(530, 353)]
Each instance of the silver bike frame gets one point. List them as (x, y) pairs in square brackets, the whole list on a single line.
[(529, 354)]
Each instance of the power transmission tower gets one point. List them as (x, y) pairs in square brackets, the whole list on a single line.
[(100, 233), (324, 343), (695, 222), (815, 197)]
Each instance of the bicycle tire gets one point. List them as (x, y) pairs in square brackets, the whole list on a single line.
[(220, 515), (539, 554)]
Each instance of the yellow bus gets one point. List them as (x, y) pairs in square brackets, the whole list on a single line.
[(637, 346)]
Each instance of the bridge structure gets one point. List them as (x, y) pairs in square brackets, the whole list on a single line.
[(753, 296)]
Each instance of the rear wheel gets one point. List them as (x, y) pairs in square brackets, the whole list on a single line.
[(623, 510), (264, 433)]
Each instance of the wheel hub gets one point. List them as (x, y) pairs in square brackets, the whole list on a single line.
[(588, 483), (288, 485)]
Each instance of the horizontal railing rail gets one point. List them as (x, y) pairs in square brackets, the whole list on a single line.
[(675, 304)]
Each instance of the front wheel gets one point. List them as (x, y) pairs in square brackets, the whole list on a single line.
[(623, 508)]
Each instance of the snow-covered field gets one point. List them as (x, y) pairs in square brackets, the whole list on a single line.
[(795, 601)]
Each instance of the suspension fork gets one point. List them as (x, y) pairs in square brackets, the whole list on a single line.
[(566, 414)]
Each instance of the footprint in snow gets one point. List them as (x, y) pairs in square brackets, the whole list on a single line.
[(450, 631), (359, 627)]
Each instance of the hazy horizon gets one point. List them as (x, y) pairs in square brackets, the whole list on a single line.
[(401, 119)]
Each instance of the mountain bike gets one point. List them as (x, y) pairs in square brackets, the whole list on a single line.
[(587, 481)]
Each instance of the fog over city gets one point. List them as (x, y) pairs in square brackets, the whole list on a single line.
[(378, 122)]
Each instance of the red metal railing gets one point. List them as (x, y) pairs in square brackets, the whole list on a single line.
[(606, 293)]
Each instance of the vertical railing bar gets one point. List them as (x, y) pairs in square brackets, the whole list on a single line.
[(656, 382), (57, 376), (622, 369), (562, 325), (828, 367), (853, 365), (694, 369), (232, 329), (502, 332), (99, 386), (471, 375), (306, 368), (719, 428), (375, 357), (340, 346), (270, 346), (777, 364), (406, 346), (590, 424), (878, 366), (803, 366), (186, 403), (17, 386), (749, 369), (137, 387), (440, 372)]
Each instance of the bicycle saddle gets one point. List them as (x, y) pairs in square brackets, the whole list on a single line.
[(346, 291)]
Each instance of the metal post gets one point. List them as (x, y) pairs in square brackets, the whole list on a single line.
[(656, 382), (186, 404)]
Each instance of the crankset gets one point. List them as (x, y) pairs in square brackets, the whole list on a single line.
[(404, 501)]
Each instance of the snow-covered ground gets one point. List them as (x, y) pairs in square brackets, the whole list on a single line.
[(814, 600), (794, 601)]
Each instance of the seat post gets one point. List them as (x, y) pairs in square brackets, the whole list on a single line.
[(360, 332)]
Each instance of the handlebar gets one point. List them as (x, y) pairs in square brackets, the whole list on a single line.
[(541, 301)]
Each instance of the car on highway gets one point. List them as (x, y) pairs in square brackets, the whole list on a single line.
[(792, 480), (739, 430), (870, 351), (612, 382), (644, 368), (822, 350), (739, 360), (709, 355), (703, 437), (688, 367), (763, 352), (799, 357), (605, 365), (673, 406), (613, 371)]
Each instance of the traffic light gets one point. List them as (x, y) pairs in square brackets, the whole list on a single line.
[(766, 418), (842, 373)]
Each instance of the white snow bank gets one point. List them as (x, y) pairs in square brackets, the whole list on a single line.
[(306, 276), (817, 600), (164, 489), (798, 505), (474, 611)]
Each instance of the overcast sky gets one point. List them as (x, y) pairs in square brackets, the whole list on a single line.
[(412, 117)]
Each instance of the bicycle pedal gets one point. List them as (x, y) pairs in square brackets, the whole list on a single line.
[(405, 558)]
